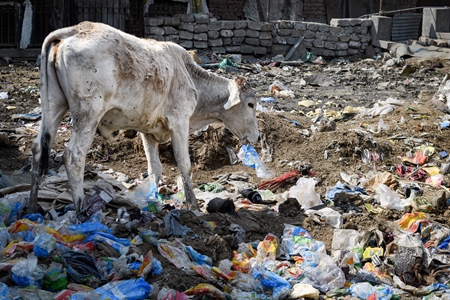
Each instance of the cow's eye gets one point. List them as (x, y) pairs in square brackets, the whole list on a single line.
[(251, 105)]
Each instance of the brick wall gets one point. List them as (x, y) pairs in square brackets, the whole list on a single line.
[(314, 10), (227, 9), (167, 9)]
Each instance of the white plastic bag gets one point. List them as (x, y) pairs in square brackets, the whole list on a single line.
[(388, 198), (305, 193)]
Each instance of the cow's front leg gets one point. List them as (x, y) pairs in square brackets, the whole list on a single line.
[(180, 144), (152, 153)]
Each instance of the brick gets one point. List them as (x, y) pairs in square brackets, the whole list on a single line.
[(226, 33), (188, 18), (252, 41), (200, 37), (254, 25), (186, 27), (240, 33), (240, 24), (186, 35), (200, 45), (213, 34), (170, 30), (186, 44), (201, 18)]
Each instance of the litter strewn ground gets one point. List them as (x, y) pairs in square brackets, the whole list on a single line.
[(346, 195)]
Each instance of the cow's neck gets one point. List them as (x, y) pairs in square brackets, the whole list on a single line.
[(213, 94)]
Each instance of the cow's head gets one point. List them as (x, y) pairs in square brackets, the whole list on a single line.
[(240, 111)]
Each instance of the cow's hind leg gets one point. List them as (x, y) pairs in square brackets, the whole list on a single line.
[(152, 153), (180, 142), (53, 110), (83, 132)]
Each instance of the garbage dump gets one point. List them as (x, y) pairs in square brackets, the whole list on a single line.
[(345, 195)]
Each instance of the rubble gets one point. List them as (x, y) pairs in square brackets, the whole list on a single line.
[(345, 197)]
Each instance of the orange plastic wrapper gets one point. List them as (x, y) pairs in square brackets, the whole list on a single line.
[(411, 221), (206, 289)]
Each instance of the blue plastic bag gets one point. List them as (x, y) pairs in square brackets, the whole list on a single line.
[(132, 289), (249, 157), (88, 227), (38, 218), (269, 280), (119, 244), (44, 244), (198, 258)]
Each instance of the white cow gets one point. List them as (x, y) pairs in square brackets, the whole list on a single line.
[(111, 80)]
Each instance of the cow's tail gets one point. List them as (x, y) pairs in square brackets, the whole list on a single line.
[(42, 145)]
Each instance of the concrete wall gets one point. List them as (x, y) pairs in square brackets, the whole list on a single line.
[(343, 37)]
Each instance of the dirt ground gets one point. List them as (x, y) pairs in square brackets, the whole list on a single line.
[(287, 132)]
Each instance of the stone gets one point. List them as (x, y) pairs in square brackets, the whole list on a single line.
[(251, 33), (265, 43), (200, 37), (285, 25), (341, 46), (260, 50), (318, 43), (284, 32), (226, 25), (158, 38), (364, 30), (344, 38), (189, 18), (240, 24), (170, 30), (280, 40), (336, 30), (172, 38), (330, 45), (353, 51), (254, 25), (317, 51), (172, 21), (321, 35), (348, 30), (357, 29), (155, 21), (365, 38), (366, 22), (291, 40), (233, 49), (219, 50), (186, 35), (252, 41), (214, 26), (266, 26), (227, 41), (265, 35), (156, 31), (341, 53), (355, 37), (247, 49), (354, 44), (199, 28), (186, 44), (300, 26), (226, 33), (309, 34), (200, 45), (340, 22), (213, 34), (327, 52), (324, 28), (332, 38), (312, 26), (201, 18), (186, 27), (215, 43), (237, 40), (355, 22), (240, 33)]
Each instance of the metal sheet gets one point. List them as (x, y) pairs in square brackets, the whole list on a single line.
[(406, 27)]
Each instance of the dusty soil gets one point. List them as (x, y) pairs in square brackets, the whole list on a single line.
[(357, 83)]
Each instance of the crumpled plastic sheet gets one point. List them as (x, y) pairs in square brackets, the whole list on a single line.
[(172, 226)]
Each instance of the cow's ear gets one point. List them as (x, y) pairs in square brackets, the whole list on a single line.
[(233, 99)]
